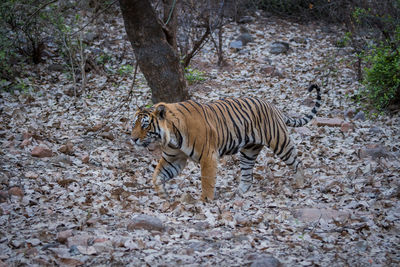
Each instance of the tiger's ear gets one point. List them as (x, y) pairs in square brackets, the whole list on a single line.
[(160, 111)]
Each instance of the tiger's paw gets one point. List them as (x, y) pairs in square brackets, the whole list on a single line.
[(207, 197), (163, 194), (244, 187)]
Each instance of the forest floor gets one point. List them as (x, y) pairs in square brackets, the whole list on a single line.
[(75, 191)]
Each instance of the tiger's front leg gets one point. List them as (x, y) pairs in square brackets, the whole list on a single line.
[(208, 167), (169, 166)]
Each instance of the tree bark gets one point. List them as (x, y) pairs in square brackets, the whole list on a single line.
[(157, 59)]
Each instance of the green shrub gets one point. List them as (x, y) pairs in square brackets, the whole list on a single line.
[(125, 70), (23, 30), (382, 76), (23, 24), (382, 59), (6, 55), (28, 26), (344, 41), (194, 76)]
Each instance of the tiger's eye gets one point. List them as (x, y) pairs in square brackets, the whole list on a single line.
[(145, 122)]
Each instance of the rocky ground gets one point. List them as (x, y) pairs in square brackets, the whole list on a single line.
[(74, 191)]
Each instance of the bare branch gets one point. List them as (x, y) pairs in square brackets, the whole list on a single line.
[(197, 45), (93, 18), (37, 11)]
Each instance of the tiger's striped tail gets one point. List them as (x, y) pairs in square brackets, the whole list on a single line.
[(307, 118)]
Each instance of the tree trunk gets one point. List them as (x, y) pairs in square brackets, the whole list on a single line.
[(158, 60)]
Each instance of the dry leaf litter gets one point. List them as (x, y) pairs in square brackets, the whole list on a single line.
[(75, 191)]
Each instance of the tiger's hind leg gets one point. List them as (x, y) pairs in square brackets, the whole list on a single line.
[(247, 158), (169, 166), (288, 153)]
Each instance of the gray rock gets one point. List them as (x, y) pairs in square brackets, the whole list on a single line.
[(90, 37), (279, 47), (361, 245), (245, 38), (246, 19), (315, 214), (61, 160), (55, 67), (145, 222), (33, 241), (266, 261), (375, 130), (236, 44), (244, 52), (17, 243), (360, 116)]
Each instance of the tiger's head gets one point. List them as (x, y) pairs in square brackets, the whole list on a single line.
[(153, 125)]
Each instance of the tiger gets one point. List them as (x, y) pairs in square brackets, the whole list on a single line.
[(206, 132)]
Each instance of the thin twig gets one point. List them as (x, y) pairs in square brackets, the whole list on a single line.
[(130, 94), (218, 25), (37, 11), (93, 18), (83, 63), (71, 61), (125, 101)]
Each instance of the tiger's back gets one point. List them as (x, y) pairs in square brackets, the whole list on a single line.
[(227, 125)]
